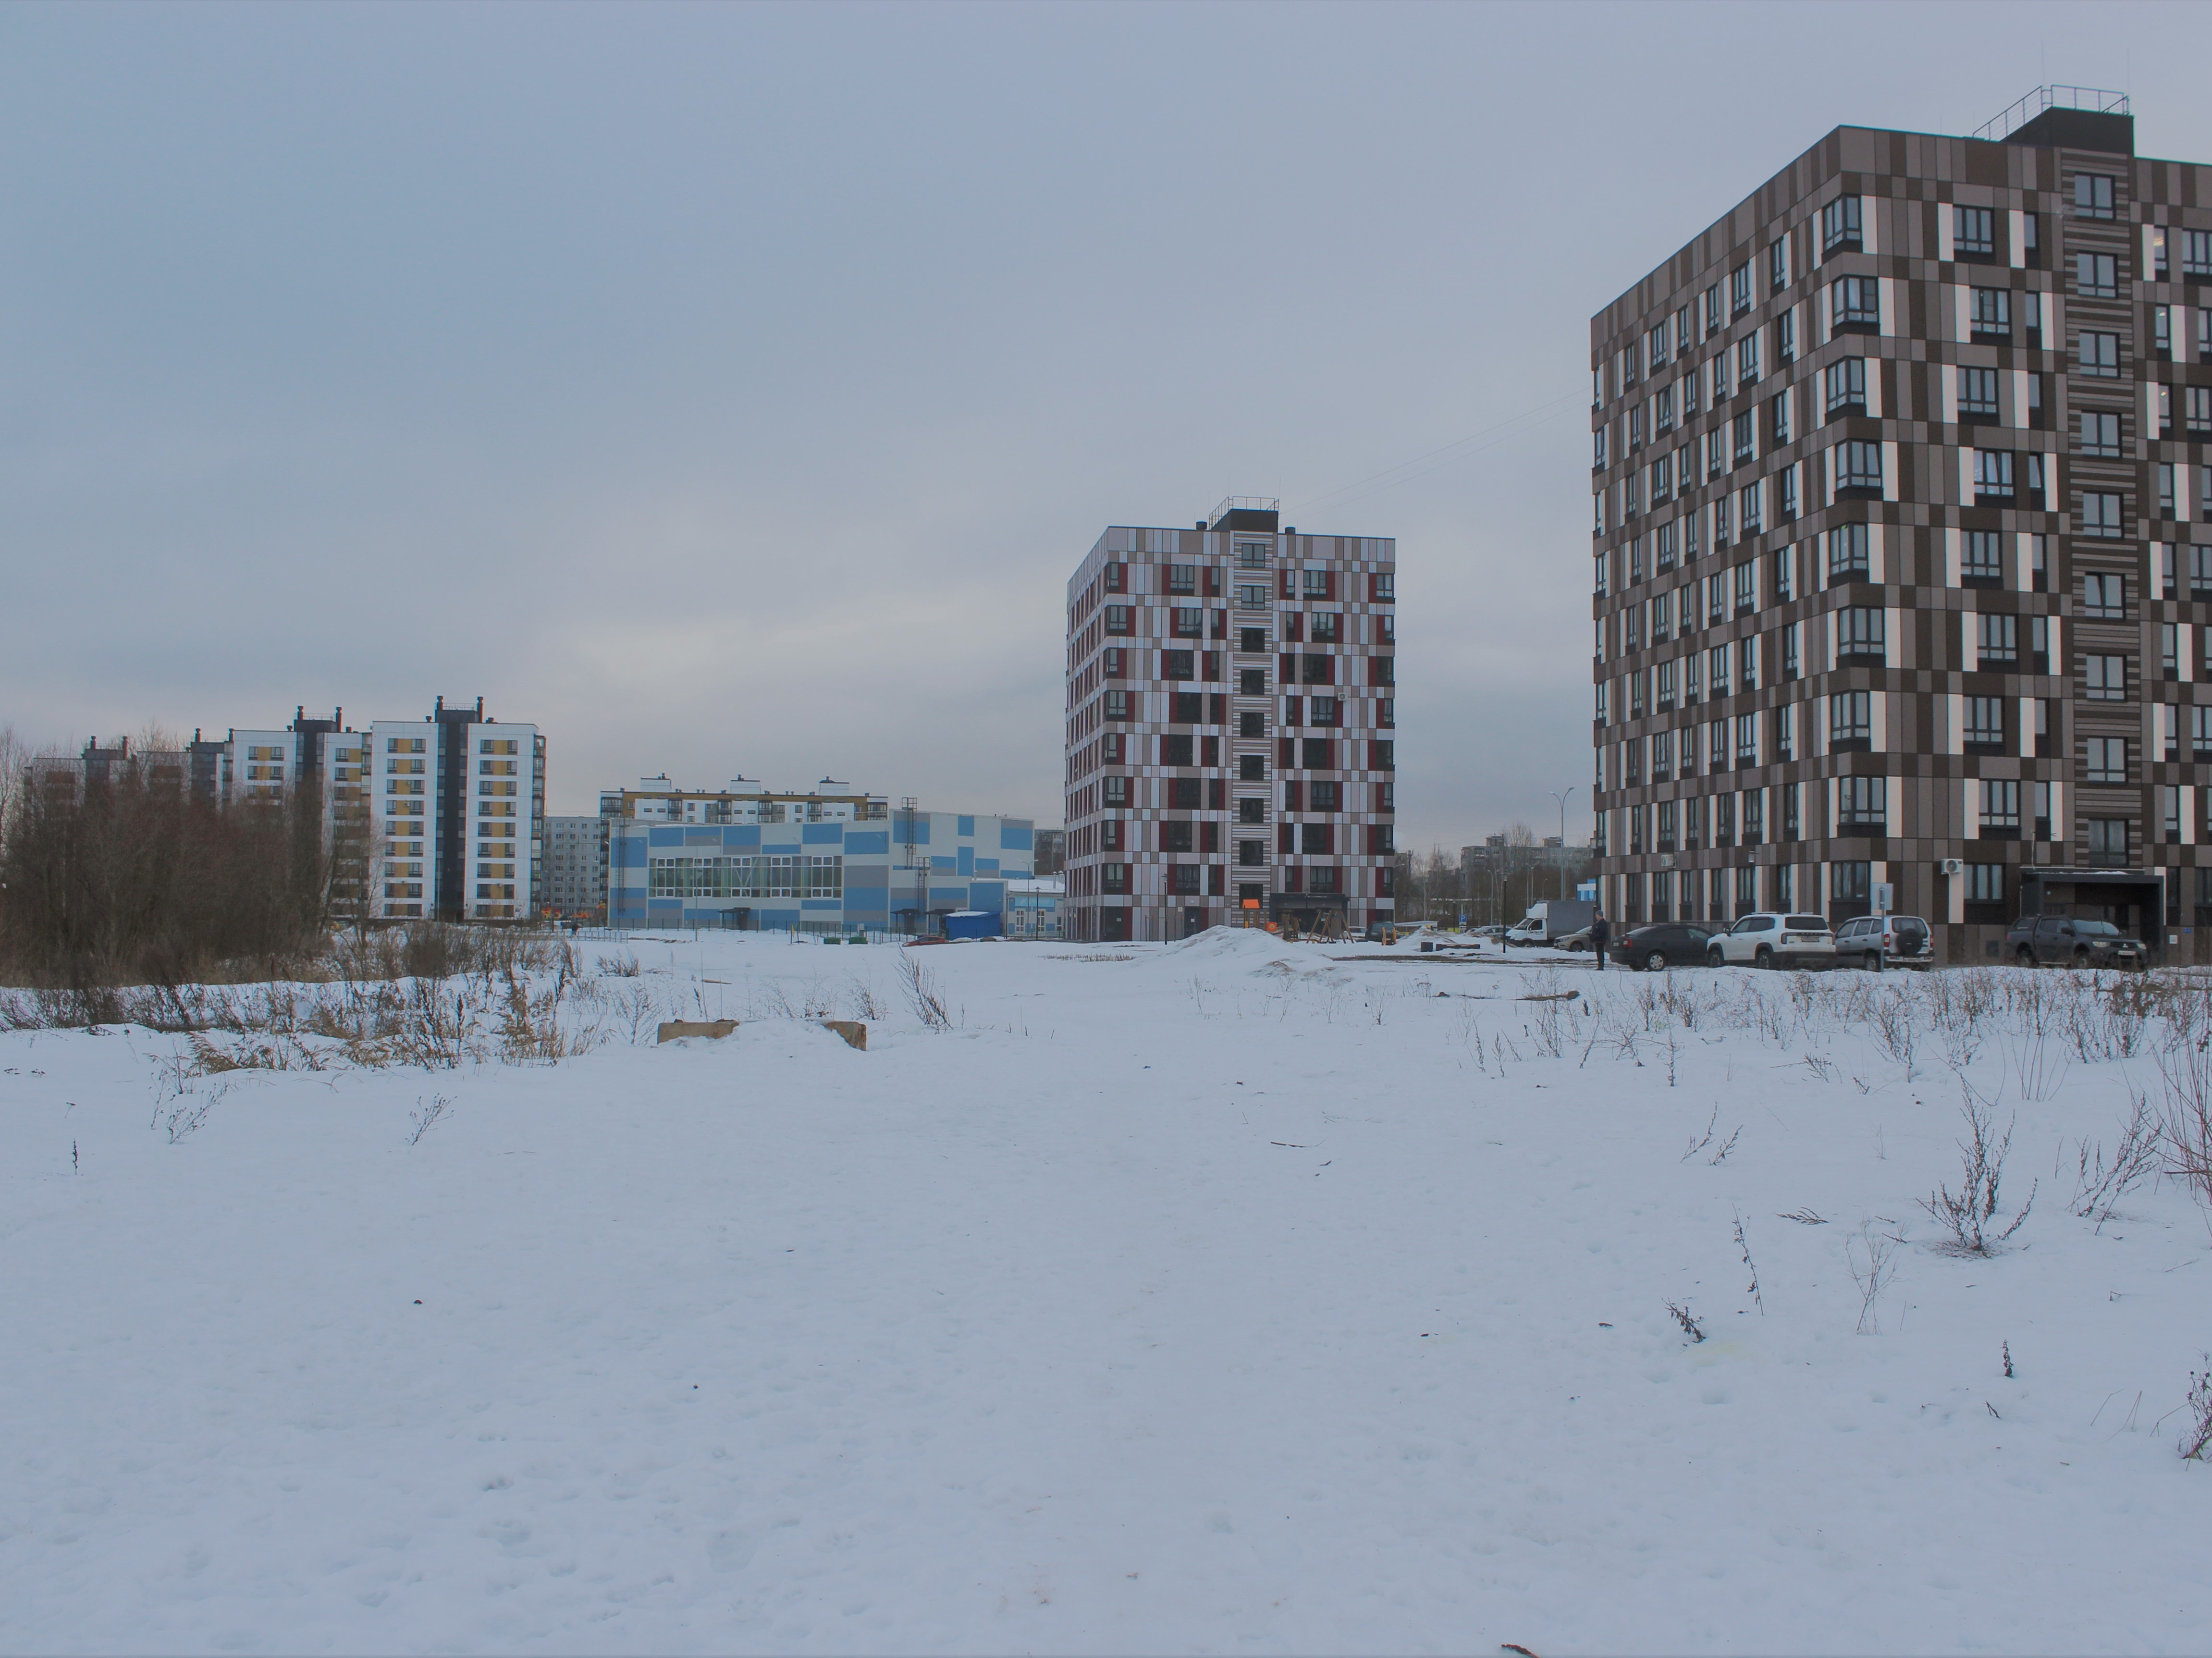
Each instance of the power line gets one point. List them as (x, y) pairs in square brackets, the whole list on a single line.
[(1436, 459)]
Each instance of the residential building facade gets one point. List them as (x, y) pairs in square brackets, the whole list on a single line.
[(1231, 728), (576, 868), (458, 804), (1903, 575), (829, 860)]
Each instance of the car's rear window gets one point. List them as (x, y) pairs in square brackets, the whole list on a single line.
[(1806, 924)]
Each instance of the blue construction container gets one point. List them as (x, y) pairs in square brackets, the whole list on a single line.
[(973, 923)]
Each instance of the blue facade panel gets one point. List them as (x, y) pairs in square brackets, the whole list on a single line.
[(987, 895), (1016, 837), (967, 860), (986, 866), (665, 837), (868, 843), (823, 835), (745, 834), (627, 852), (813, 906), (966, 829), (780, 846)]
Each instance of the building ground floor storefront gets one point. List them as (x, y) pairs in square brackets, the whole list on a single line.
[(1969, 892)]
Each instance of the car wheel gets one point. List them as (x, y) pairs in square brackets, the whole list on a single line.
[(1656, 961), (1714, 959), (2025, 958), (1763, 958), (1874, 961), (2080, 959)]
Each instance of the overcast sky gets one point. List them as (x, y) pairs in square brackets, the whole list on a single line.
[(734, 389)]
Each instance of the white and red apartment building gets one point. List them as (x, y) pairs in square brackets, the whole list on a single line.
[(1231, 729)]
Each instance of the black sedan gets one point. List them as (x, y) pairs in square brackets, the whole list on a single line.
[(1661, 944)]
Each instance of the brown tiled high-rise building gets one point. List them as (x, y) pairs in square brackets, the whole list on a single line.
[(1904, 570), (1231, 729)]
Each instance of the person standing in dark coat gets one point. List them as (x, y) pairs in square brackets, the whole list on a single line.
[(1601, 936)]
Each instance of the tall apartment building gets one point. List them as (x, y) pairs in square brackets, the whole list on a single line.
[(1904, 570), (1231, 716), (459, 816)]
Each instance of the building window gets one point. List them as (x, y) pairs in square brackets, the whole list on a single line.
[(1839, 225), (1974, 231), (1859, 637), (1992, 477), (1846, 386), (1985, 725), (1858, 466), (1989, 312), (1850, 885), (1985, 884), (1747, 359), (1739, 289), (2098, 434), (1850, 721), (1183, 578), (1117, 618), (2108, 842), (2105, 597), (2092, 196), (2105, 678), (1745, 430), (1854, 303), (2100, 515), (1977, 393), (2096, 276), (1188, 624), (1778, 265), (1982, 562), (2096, 355), (1863, 805), (1997, 639), (2106, 760)]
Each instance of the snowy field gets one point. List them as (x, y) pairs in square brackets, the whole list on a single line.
[(1209, 1297)]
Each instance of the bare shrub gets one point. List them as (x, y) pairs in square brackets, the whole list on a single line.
[(2099, 1184), (424, 1116), (1875, 1277), (1691, 1327), (922, 994), (1970, 1214), (2197, 1438), (1896, 1023), (866, 1003), (2185, 1125), (624, 966)]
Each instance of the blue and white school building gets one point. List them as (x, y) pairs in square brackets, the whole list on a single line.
[(826, 860)]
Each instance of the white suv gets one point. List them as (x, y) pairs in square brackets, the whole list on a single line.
[(1765, 940)]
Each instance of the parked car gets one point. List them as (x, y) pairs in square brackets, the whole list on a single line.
[(1769, 940), (1662, 944), (2068, 942), (1874, 942), (1577, 941)]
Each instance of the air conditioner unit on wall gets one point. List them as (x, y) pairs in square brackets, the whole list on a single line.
[(1953, 866)]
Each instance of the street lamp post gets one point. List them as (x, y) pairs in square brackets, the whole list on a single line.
[(1561, 797)]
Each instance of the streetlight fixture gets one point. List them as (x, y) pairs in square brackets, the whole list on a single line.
[(1561, 797)]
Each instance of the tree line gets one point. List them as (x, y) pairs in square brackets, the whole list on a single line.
[(133, 879)]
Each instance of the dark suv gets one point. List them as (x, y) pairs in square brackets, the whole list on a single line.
[(2066, 942)]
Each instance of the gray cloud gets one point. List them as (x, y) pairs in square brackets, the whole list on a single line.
[(734, 389)]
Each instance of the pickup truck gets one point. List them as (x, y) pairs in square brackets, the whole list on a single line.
[(2065, 941)]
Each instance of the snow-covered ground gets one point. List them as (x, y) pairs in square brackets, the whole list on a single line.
[(1206, 1297)]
